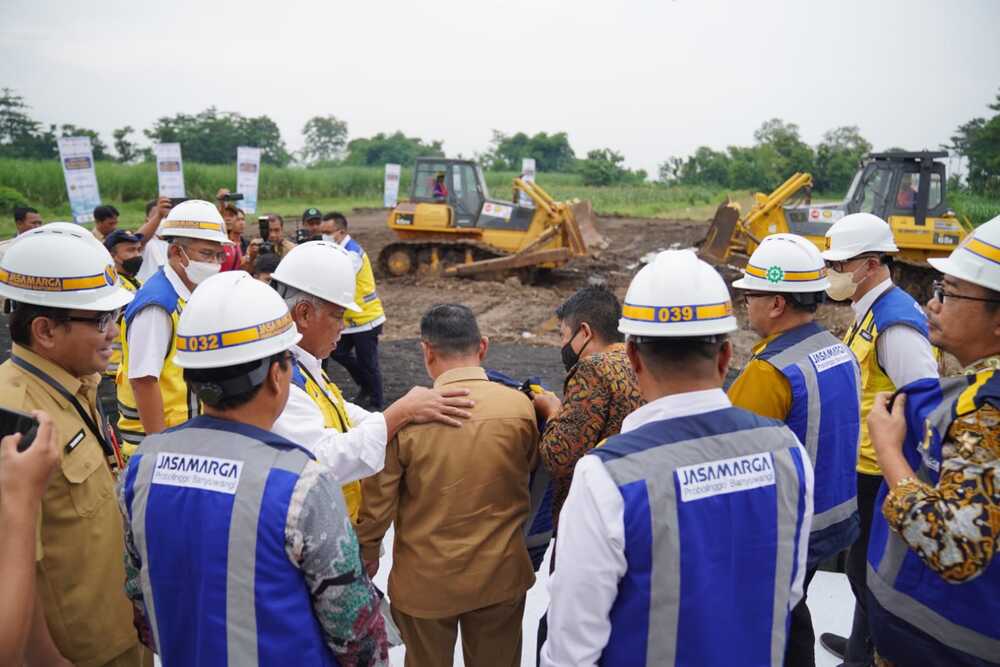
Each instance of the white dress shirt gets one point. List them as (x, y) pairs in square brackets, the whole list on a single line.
[(357, 454), (154, 255), (149, 333), (590, 547), (903, 353)]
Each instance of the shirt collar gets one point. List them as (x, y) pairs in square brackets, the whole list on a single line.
[(863, 305), (676, 405), (311, 363), (461, 375), (176, 282), (986, 363), (58, 373), (344, 241)]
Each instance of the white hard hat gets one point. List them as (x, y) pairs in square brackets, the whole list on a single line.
[(195, 219), (677, 295), (858, 233), (61, 265), (322, 269), (233, 319), (977, 259), (784, 263)]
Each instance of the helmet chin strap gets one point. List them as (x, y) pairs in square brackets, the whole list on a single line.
[(214, 391)]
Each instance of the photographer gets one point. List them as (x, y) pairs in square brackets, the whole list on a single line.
[(312, 219), (235, 224), (275, 242)]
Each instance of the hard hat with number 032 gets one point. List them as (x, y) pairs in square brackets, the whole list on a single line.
[(856, 234), (784, 263), (231, 319), (194, 219), (61, 265), (322, 269), (677, 295), (977, 259)]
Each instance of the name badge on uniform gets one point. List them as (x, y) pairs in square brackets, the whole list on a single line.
[(866, 335), (829, 357), (704, 480), (74, 441), (197, 472)]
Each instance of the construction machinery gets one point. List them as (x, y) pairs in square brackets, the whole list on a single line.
[(451, 225), (905, 189)]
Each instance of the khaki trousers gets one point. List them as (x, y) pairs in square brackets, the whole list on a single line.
[(491, 636)]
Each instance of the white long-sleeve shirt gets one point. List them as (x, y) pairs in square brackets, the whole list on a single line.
[(902, 351), (356, 454), (590, 549), (149, 334)]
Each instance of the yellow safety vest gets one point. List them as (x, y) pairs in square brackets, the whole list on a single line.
[(179, 402), (330, 402), (365, 294), (132, 285)]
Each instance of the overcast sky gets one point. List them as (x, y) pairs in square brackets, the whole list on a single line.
[(649, 78)]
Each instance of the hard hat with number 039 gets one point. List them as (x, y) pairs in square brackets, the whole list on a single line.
[(194, 219), (784, 263), (231, 319), (977, 259), (856, 234), (322, 269), (61, 265), (677, 295)]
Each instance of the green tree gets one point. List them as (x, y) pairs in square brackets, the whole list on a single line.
[(126, 149), (979, 141), (754, 167), (551, 152), (213, 136), (20, 135), (794, 154), (706, 167), (392, 148), (606, 167), (325, 137), (838, 157), (670, 170)]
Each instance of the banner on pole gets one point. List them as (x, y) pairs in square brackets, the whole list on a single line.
[(169, 170), (527, 174), (77, 160), (391, 196), (247, 177)]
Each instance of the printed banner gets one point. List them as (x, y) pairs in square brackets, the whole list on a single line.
[(247, 177), (169, 170), (527, 174), (77, 160), (391, 195)]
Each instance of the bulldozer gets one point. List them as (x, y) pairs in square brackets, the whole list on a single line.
[(906, 189), (451, 225)]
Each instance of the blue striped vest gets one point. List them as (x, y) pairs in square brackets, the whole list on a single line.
[(716, 524), (208, 503), (825, 416), (963, 617)]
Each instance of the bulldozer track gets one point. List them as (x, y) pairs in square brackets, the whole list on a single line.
[(419, 252)]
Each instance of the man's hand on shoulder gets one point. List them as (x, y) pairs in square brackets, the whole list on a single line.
[(446, 405)]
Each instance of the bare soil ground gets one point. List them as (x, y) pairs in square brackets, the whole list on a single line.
[(519, 319)]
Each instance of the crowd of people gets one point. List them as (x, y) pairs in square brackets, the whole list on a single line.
[(199, 488)]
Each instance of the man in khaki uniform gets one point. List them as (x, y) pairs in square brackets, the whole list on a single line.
[(62, 329), (460, 498)]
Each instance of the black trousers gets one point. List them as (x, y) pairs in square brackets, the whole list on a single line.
[(358, 354), (800, 650), (860, 650)]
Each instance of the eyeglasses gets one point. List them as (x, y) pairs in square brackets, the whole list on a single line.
[(940, 294), (102, 321), (205, 254), (752, 295), (841, 265)]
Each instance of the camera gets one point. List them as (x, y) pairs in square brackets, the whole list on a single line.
[(303, 236), (263, 226), (232, 196)]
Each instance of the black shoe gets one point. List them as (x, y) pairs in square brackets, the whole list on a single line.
[(835, 644)]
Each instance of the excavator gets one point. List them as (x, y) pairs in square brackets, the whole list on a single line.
[(451, 225), (906, 189)]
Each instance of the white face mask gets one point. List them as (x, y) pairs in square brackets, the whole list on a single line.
[(330, 237), (199, 272), (842, 285)]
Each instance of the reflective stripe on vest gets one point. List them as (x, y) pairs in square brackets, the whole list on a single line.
[(330, 402), (697, 490), (132, 285), (365, 294), (179, 401), (825, 382), (218, 585), (892, 307), (962, 616)]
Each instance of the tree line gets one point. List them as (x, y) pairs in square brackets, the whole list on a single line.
[(211, 137)]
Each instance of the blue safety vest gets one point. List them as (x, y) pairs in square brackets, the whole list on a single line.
[(716, 523), (825, 417), (207, 503), (963, 617)]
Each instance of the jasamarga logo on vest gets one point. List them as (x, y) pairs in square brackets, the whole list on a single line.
[(197, 472), (725, 476)]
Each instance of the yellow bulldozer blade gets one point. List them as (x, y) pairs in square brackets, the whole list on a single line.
[(583, 215), (722, 233), (518, 261)]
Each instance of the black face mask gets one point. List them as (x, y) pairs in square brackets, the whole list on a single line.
[(131, 265), (569, 357)]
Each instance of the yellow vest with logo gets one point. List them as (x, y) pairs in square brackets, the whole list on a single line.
[(179, 401), (330, 402), (893, 307), (132, 285), (365, 294)]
